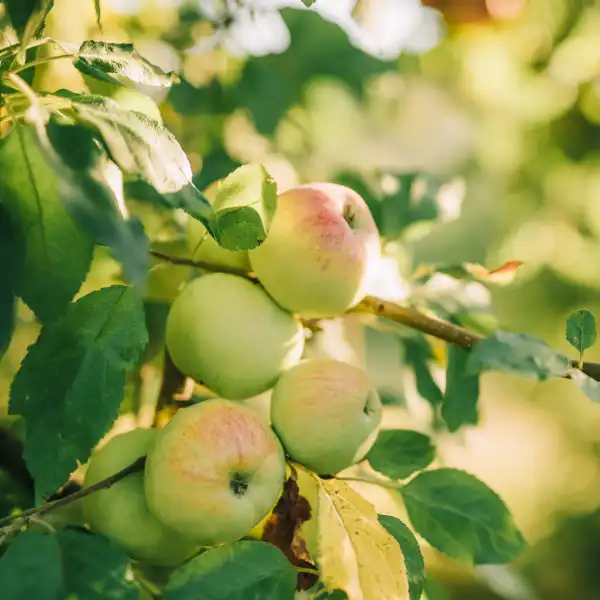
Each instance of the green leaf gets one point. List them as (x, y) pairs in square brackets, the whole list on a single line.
[(31, 568), (581, 330), (517, 353), (417, 355), (86, 354), (238, 571), (398, 453), (413, 558), (28, 17), (141, 146), (91, 187), (70, 563), (10, 259), (462, 391), (461, 517), (57, 253), (308, 3), (590, 387), (120, 64), (245, 203), (94, 568)]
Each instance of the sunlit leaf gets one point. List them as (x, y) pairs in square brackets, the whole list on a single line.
[(462, 517), (462, 391), (353, 551), (517, 353), (86, 354), (238, 571), (413, 558), (398, 453), (581, 330), (121, 64)]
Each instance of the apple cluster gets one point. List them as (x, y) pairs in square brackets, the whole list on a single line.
[(218, 467)]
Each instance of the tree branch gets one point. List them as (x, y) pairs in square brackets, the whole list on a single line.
[(411, 317), (36, 513)]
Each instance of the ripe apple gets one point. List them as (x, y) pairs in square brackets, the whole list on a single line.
[(214, 472), (225, 332), (326, 414), (205, 248), (320, 248), (121, 512)]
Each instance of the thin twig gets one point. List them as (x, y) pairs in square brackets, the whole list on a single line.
[(26, 515), (199, 264)]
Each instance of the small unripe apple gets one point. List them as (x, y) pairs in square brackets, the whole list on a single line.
[(214, 472), (121, 512), (205, 248), (326, 413), (226, 333), (319, 251)]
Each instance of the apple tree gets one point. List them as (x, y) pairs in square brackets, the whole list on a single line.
[(203, 494)]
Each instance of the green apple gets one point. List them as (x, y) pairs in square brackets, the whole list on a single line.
[(214, 472), (326, 413), (226, 333), (121, 512), (318, 254), (205, 248)]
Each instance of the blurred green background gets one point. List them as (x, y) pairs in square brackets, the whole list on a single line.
[(497, 99)]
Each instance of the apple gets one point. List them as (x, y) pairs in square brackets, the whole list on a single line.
[(319, 251), (205, 248), (121, 512), (214, 472), (226, 333), (326, 413)]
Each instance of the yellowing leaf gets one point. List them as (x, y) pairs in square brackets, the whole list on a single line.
[(353, 551)]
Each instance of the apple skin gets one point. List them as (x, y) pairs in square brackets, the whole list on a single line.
[(318, 253), (205, 248), (326, 413), (226, 333), (121, 512), (214, 472)]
